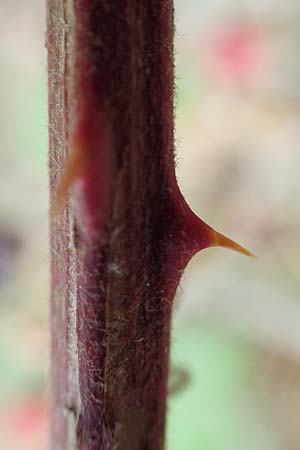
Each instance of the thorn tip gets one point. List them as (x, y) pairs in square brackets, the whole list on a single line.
[(220, 240), (71, 171)]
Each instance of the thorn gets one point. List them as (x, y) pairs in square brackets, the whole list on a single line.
[(219, 240), (71, 172), (200, 235)]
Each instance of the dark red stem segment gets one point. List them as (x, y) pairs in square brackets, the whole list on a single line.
[(119, 246)]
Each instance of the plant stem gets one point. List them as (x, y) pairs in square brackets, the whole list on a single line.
[(125, 233)]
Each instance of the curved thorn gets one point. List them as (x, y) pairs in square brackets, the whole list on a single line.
[(219, 240), (72, 171)]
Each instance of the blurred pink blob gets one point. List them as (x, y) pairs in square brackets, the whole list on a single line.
[(237, 54), (25, 425)]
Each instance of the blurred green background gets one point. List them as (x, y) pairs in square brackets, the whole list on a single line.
[(236, 334)]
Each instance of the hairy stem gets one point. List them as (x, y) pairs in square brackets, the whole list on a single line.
[(121, 232)]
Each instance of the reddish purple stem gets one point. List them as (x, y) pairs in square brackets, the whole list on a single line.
[(126, 233)]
